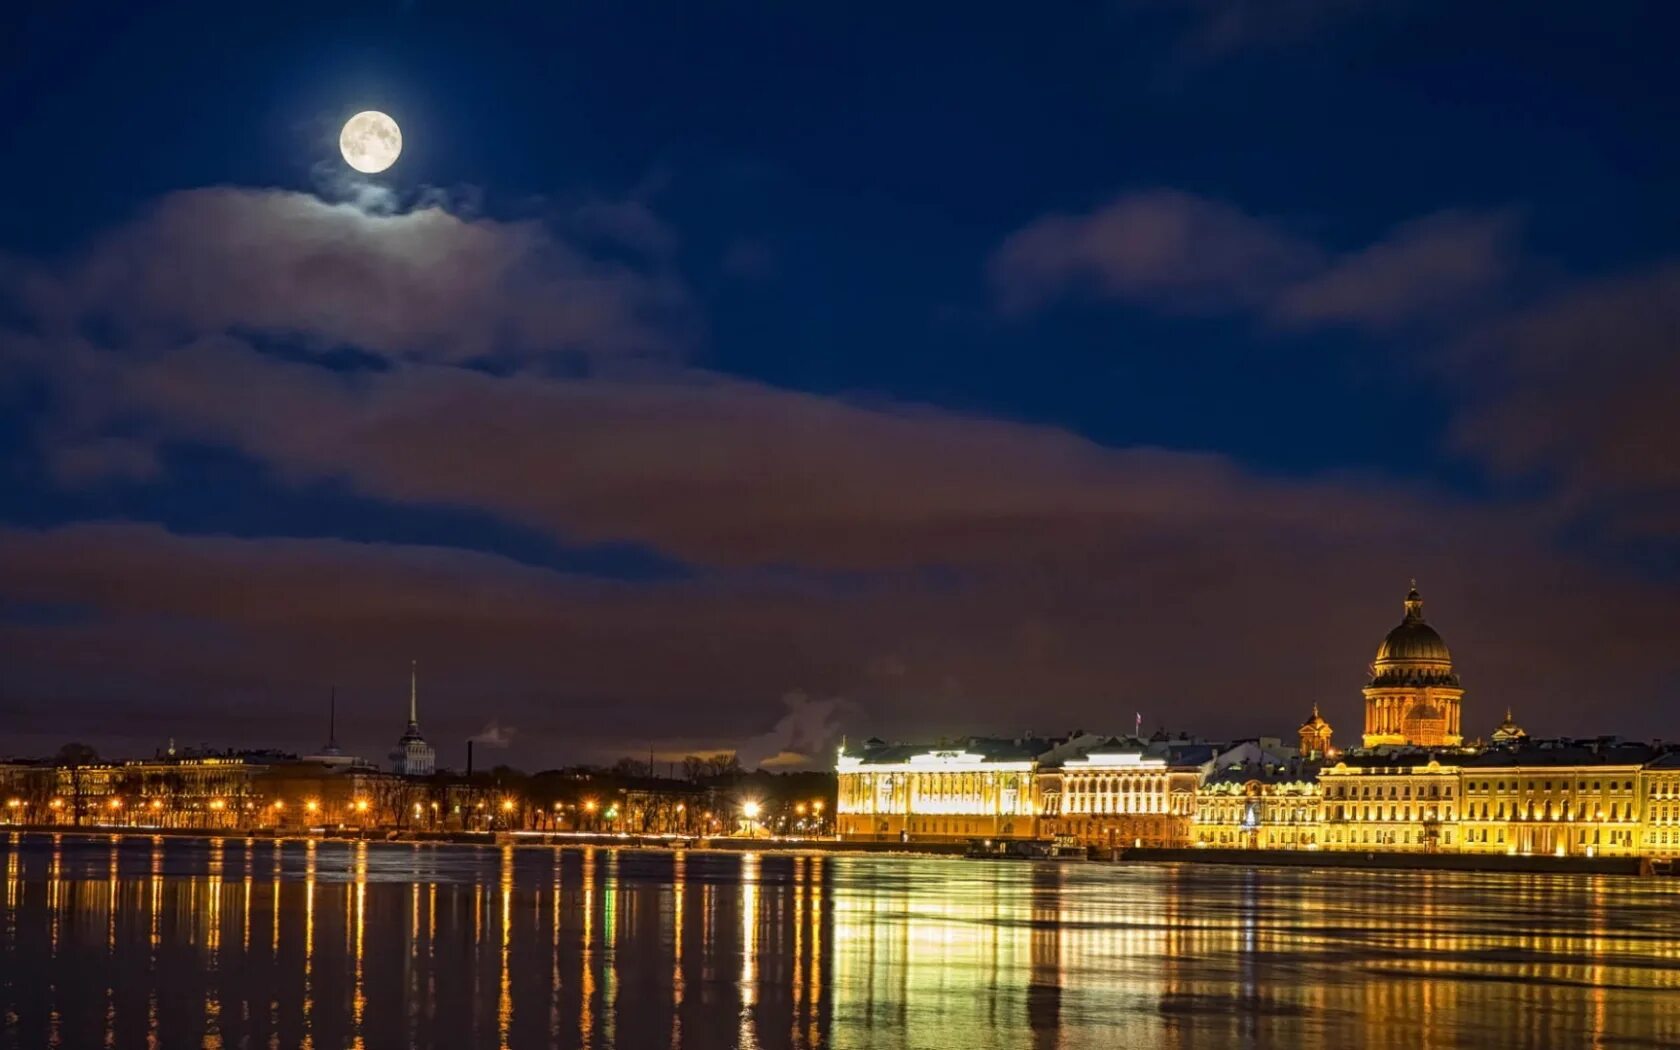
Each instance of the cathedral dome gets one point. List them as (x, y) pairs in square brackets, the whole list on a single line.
[(1413, 653)]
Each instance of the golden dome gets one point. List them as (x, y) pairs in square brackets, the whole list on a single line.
[(1413, 653)]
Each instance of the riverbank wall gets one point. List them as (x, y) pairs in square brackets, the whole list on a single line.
[(1399, 861), (1237, 857)]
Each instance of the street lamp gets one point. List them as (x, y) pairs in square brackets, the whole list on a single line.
[(751, 809)]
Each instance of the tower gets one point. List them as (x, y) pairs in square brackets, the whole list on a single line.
[(1509, 733), (1413, 696), (414, 757), (331, 748), (1315, 737)]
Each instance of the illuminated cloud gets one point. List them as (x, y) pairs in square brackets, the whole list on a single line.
[(916, 568), (1179, 252), (422, 285)]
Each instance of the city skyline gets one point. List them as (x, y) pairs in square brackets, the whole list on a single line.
[(676, 386), (1411, 700)]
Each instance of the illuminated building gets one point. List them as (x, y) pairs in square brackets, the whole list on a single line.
[(1116, 794), (980, 788), (1391, 800), (1563, 798), (1259, 807), (1413, 696), (413, 756), (1315, 735), (1508, 733), (1659, 795)]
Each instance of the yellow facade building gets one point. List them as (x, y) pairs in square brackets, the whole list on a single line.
[(1413, 787), (1659, 794), (1243, 807), (1408, 800), (1117, 795), (980, 788), (1558, 798)]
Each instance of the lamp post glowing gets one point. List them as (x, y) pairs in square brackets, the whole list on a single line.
[(751, 809)]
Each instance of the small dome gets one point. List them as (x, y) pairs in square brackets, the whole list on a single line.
[(1508, 730), (1413, 653)]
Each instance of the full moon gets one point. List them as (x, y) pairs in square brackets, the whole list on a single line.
[(370, 141)]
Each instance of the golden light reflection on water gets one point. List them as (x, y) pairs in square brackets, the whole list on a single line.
[(133, 942), (504, 999)]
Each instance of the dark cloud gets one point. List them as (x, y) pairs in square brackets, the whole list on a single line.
[(917, 570), (1167, 247), (1580, 392), (1420, 269), (1212, 629), (1176, 251)]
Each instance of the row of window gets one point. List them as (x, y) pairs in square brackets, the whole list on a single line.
[(1536, 811), (1394, 791), (1546, 785)]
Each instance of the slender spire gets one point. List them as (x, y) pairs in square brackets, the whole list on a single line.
[(414, 692), (332, 720)]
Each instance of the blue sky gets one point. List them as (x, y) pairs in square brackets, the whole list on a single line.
[(947, 369)]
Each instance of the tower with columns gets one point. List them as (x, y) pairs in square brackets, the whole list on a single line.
[(1413, 696)]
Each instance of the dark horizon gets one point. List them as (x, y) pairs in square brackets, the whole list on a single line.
[(706, 380)]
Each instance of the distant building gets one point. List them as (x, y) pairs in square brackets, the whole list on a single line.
[(978, 788), (413, 756), (1414, 786), (1119, 792), (1259, 806), (1391, 799), (1413, 697), (1315, 735)]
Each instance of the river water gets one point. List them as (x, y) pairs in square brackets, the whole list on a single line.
[(143, 942)]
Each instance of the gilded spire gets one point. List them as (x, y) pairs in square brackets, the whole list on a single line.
[(414, 692)]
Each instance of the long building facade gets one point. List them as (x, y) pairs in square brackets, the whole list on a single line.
[(1413, 785)]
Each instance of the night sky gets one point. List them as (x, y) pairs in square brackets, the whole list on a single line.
[(744, 375)]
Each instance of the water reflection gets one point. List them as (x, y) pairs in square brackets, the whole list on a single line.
[(143, 941)]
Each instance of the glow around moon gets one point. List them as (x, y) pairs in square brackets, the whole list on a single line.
[(370, 141)]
